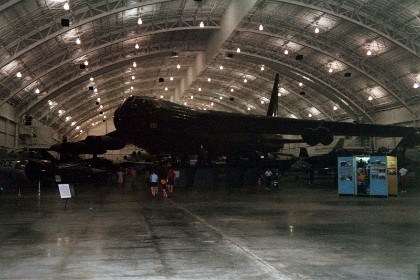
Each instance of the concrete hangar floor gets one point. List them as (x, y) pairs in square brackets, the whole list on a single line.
[(238, 233)]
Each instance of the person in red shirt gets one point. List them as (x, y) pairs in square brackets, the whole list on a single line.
[(170, 181), (163, 183)]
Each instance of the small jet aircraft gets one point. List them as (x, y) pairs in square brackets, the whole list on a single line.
[(24, 168), (161, 126)]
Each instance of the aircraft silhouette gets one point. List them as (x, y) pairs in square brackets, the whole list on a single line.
[(24, 168), (161, 126)]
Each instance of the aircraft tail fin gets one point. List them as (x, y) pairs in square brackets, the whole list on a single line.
[(303, 153), (339, 145), (273, 107), (408, 141)]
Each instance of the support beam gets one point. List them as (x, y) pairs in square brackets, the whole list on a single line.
[(232, 17)]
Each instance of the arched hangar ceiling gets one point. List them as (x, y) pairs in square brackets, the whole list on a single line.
[(337, 60)]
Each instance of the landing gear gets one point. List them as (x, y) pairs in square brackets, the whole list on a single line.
[(204, 158)]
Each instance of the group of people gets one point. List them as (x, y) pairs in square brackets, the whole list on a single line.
[(271, 179), (167, 184)]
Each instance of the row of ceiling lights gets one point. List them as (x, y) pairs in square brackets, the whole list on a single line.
[(66, 6)]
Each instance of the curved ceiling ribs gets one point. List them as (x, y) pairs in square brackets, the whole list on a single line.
[(170, 34)]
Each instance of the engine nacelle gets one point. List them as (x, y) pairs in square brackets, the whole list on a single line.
[(310, 136), (319, 135), (325, 136)]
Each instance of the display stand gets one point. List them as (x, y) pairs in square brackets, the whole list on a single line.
[(392, 172), (369, 176), (66, 192), (346, 180)]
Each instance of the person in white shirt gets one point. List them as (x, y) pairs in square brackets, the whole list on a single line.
[(268, 175), (403, 179), (154, 184)]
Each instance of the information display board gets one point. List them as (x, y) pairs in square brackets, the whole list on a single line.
[(392, 175), (378, 176), (368, 175), (346, 180), (64, 190)]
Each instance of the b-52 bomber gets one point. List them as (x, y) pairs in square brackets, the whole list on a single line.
[(161, 126)]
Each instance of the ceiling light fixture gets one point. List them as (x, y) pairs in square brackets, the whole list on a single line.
[(286, 52), (232, 90), (201, 24), (133, 77), (261, 28), (262, 68), (78, 41), (301, 84), (161, 96), (238, 50), (221, 67), (310, 115), (245, 80), (171, 78), (134, 64), (66, 6), (370, 98), (86, 63), (18, 74), (209, 79), (166, 89), (369, 52), (221, 97), (139, 21), (316, 30), (416, 85), (330, 70), (335, 108), (199, 89), (137, 46), (37, 91), (178, 66)]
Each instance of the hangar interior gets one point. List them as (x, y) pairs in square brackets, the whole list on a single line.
[(66, 65)]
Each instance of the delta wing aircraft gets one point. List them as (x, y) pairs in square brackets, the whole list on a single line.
[(161, 126)]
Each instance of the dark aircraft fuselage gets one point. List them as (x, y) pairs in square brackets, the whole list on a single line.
[(163, 126)]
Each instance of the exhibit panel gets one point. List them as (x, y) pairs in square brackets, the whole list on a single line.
[(363, 175), (392, 175), (367, 175), (346, 184), (379, 180)]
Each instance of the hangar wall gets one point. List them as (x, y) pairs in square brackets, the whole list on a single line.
[(18, 134)]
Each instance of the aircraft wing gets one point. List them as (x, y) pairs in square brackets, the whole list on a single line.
[(92, 144), (311, 131)]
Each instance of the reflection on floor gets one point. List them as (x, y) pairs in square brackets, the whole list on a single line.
[(237, 233)]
